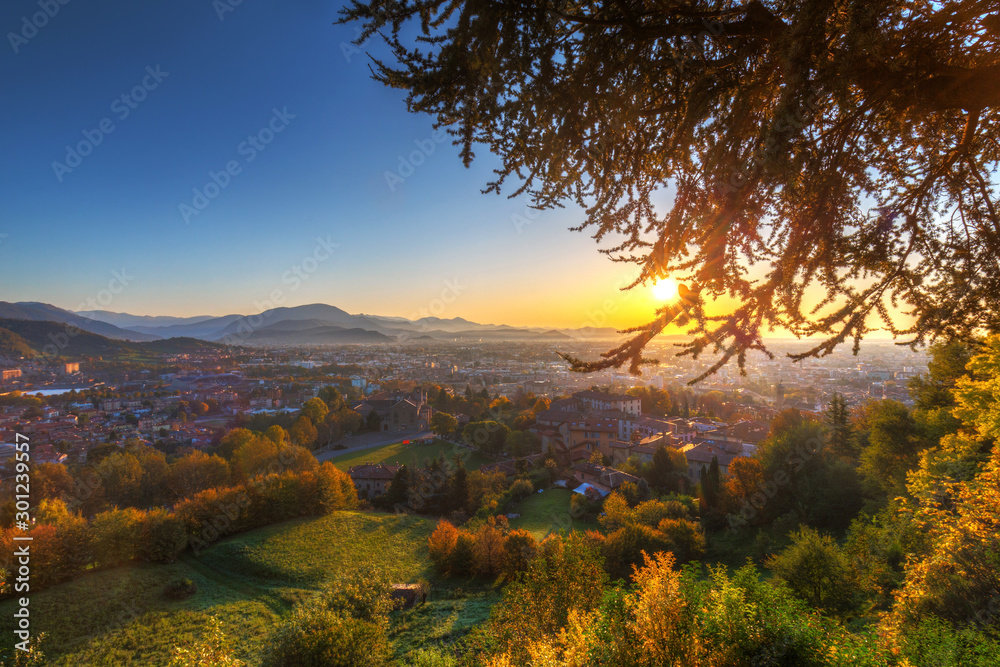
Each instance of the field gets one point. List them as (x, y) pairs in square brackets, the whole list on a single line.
[(249, 581), (413, 455), (549, 511)]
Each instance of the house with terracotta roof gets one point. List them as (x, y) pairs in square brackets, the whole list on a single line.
[(602, 478), (701, 453), (372, 479), (602, 400)]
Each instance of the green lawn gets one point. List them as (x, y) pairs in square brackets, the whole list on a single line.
[(249, 581), (413, 455), (549, 511)]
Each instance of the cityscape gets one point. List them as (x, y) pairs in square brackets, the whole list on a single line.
[(425, 333)]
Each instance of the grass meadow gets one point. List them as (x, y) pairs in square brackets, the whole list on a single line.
[(121, 616), (412, 455), (548, 511)]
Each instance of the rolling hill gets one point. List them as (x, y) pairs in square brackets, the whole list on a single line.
[(319, 324), (57, 339), (303, 332), (13, 346), (43, 312), (125, 321)]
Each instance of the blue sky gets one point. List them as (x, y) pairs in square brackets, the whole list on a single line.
[(197, 87)]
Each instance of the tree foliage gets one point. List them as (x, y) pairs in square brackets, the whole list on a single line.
[(825, 166)]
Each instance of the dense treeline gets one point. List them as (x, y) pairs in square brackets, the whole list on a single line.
[(65, 544), (135, 502)]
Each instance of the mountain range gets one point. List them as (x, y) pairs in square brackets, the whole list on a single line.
[(313, 324), (31, 338)]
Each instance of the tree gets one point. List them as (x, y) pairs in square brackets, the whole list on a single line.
[(523, 443), (33, 412), (964, 449), (661, 473), (566, 576), (196, 472), (122, 477), (303, 432), (744, 479), (254, 458), (316, 410), (711, 484), (278, 436), (891, 445), (487, 436), (501, 407), (458, 487), (816, 569), (836, 153), (343, 626), (441, 543), (50, 480), (233, 440), (443, 424), (332, 397), (946, 365), (838, 422), (398, 492)]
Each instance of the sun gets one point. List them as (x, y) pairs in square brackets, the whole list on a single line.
[(665, 289)]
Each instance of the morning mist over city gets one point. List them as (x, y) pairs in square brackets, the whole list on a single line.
[(413, 333)]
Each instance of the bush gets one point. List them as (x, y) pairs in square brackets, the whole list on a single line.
[(521, 489), (324, 639), (652, 512), (431, 657), (180, 589), (624, 548), (344, 625), (580, 507), (212, 648), (817, 570), (685, 537)]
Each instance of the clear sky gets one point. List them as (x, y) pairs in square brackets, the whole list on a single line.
[(116, 112)]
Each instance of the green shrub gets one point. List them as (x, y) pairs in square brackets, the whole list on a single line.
[(322, 638), (179, 589)]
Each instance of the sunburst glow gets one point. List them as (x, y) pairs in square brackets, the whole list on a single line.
[(665, 289)]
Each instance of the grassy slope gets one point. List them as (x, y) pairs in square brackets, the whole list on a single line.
[(411, 455), (548, 511), (120, 617)]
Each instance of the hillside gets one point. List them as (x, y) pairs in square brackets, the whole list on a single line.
[(13, 346), (305, 332), (53, 338), (179, 345), (43, 312), (126, 321), (249, 581)]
